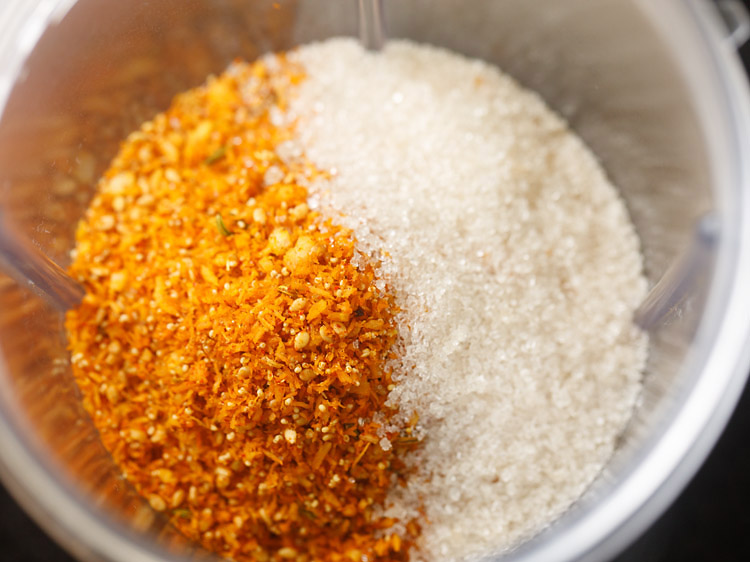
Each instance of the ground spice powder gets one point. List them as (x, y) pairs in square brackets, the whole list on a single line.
[(231, 346)]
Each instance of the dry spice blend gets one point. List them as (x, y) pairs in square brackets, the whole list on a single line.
[(356, 306), (230, 352)]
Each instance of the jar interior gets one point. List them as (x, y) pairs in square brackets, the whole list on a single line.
[(601, 65)]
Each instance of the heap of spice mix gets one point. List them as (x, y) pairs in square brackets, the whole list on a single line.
[(353, 306), (230, 352)]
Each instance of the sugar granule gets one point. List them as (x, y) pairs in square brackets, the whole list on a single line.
[(515, 265)]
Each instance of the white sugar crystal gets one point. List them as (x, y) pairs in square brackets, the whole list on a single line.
[(273, 175), (516, 268), (289, 151)]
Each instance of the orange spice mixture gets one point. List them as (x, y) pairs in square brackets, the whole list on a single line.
[(228, 349)]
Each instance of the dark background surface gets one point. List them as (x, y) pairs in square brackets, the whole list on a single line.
[(709, 522)]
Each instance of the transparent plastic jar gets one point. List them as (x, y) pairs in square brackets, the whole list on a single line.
[(653, 87)]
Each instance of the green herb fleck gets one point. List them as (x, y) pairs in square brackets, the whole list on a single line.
[(184, 513), (216, 155), (222, 228), (308, 514)]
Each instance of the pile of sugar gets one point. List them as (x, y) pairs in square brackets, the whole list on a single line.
[(517, 271)]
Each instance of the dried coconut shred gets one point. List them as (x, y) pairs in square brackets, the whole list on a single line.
[(516, 268)]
